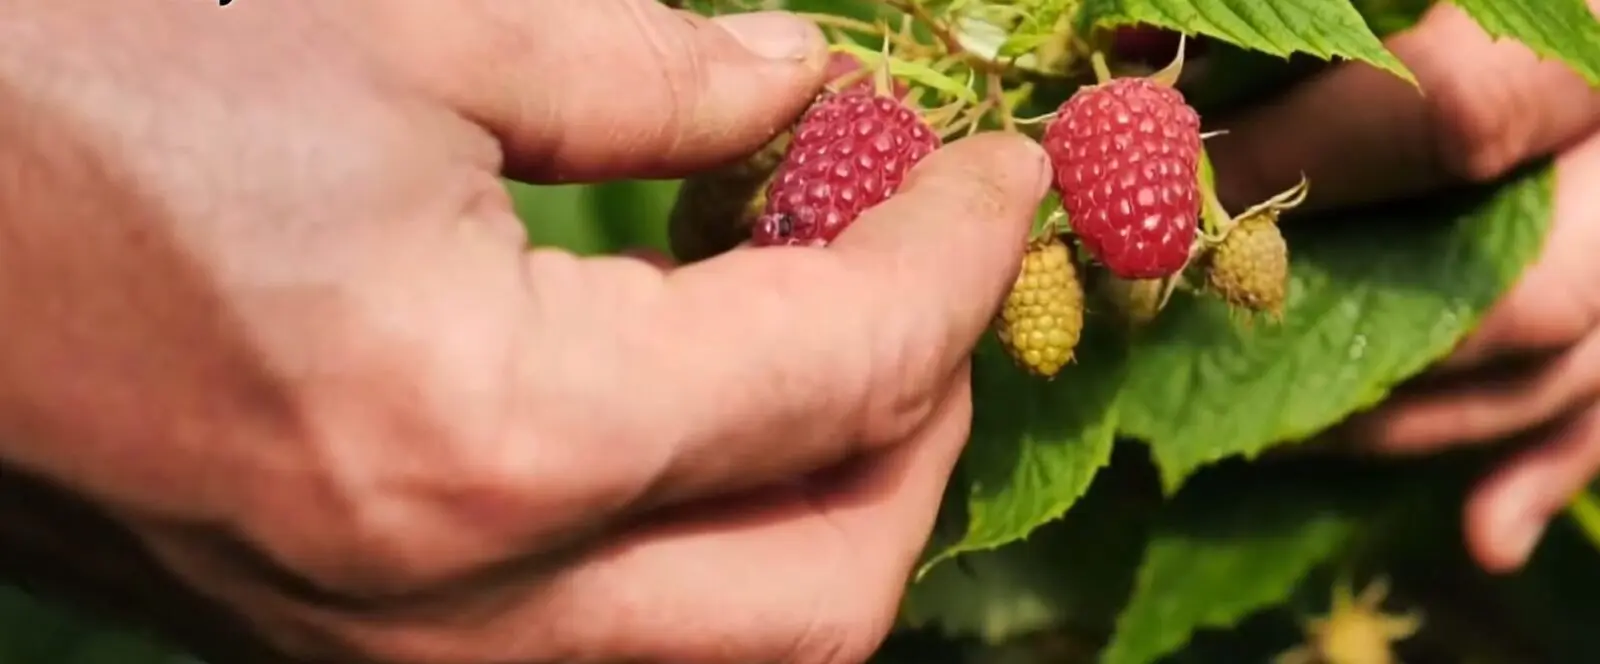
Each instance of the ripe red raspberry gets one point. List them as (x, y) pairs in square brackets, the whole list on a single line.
[(851, 150), (1127, 155)]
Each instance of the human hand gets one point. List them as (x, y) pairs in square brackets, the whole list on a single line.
[(271, 311), (1533, 366)]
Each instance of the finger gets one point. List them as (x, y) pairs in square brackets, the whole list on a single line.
[(598, 89), (1485, 410), (1557, 302), (767, 363), (1363, 135), (780, 577), (613, 388), (840, 349), (1507, 513)]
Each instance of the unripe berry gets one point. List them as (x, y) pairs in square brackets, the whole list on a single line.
[(1250, 268), (1042, 318), (1355, 631)]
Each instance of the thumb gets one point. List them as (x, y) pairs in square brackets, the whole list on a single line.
[(830, 351), (598, 89)]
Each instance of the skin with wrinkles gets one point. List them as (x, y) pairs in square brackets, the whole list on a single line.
[(283, 377)]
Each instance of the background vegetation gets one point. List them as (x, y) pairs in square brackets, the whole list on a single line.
[(1150, 504)]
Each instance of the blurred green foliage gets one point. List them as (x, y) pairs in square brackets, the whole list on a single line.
[(597, 219)]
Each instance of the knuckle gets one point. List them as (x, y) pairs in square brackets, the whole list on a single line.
[(337, 549), (915, 367), (371, 507), (684, 73), (405, 477)]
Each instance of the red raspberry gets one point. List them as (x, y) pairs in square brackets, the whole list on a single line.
[(1127, 155), (851, 150)]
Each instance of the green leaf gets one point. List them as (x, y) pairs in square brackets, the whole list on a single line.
[(1022, 44), (1230, 547), (1370, 305), (865, 10), (1323, 28), (38, 630), (1077, 570), (1562, 29), (1390, 16), (1036, 445)]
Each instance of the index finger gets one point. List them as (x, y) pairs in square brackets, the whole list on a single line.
[(583, 90)]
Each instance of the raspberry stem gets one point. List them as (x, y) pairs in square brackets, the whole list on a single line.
[(996, 91), (942, 32), (1170, 74), (905, 44), (1037, 119), (880, 78), (956, 117), (1214, 216), (1102, 71), (946, 37)]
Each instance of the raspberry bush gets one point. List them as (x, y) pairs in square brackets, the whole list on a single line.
[(1132, 492), (1140, 503)]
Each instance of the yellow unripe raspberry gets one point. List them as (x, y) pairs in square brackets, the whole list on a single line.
[(1042, 318), (1355, 631), (1250, 268)]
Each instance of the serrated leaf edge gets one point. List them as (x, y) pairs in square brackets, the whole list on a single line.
[(1057, 509), (1543, 177)]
